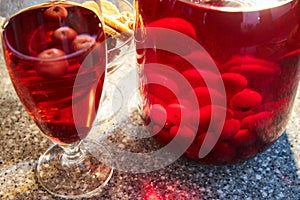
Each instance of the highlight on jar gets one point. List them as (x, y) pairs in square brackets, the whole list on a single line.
[(230, 114)]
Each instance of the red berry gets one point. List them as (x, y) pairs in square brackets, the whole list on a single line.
[(174, 113), (234, 83), (262, 77), (183, 137), (154, 100), (243, 138), (56, 13), (64, 34), (177, 24), (230, 128), (261, 124), (162, 84), (201, 78), (83, 42), (165, 80), (158, 114), (205, 96), (206, 118), (161, 93), (246, 100), (186, 103), (200, 59), (173, 34), (239, 114), (178, 114), (52, 63), (173, 131), (258, 121), (255, 71), (243, 60), (194, 78), (260, 74)]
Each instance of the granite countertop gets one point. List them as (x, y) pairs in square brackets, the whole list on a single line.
[(273, 174)]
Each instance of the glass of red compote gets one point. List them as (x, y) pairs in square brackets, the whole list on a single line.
[(55, 54), (217, 78)]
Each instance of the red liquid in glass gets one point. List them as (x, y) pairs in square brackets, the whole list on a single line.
[(255, 52), (62, 96)]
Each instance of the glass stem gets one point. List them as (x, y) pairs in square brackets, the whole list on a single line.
[(72, 154)]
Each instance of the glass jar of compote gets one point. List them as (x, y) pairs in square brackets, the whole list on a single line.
[(217, 78)]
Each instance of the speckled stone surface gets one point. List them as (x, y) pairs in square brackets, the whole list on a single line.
[(274, 174)]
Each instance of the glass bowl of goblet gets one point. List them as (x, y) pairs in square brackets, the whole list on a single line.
[(55, 54)]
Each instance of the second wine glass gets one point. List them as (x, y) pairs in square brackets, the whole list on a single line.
[(118, 26)]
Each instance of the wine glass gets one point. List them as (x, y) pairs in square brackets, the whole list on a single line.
[(55, 54), (119, 23)]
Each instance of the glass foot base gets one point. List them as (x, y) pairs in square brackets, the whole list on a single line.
[(84, 178)]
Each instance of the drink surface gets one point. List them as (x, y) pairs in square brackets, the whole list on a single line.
[(255, 50), (56, 59)]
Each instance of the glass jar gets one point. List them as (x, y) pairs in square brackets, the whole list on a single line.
[(217, 79)]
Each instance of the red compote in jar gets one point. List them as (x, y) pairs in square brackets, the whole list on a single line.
[(217, 78)]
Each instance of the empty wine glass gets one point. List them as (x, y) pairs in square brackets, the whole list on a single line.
[(56, 57), (119, 23)]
